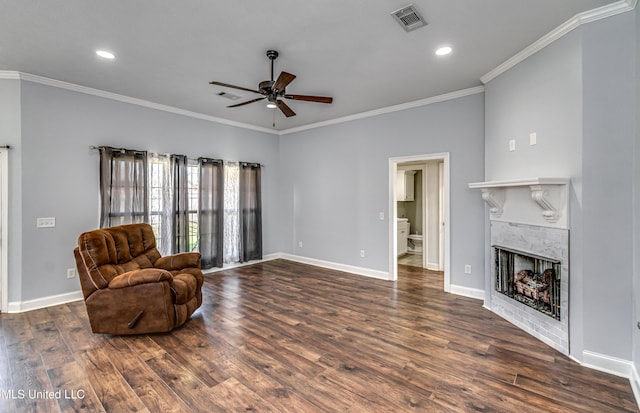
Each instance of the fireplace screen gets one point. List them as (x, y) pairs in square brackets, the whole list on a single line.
[(531, 280)]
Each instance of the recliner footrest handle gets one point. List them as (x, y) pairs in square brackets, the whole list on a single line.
[(135, 319)]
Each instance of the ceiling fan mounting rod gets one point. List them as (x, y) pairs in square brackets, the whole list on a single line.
[(272, 55)]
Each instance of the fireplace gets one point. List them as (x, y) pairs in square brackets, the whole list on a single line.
[(528, 279), (531, 280)]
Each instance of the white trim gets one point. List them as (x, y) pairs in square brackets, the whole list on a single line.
[(21, 306), (393, 213), (566, 27), (127, 99), (306, 260), (267, 257), (367, 272), (634, 379), (433, 266), (389, 109), (9, 74), (4, 231), (607, 364), (467, 292)]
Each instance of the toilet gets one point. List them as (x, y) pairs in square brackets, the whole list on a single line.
[(414, 244)]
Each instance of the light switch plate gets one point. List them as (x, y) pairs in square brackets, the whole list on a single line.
[(512, 145), (49, 222)]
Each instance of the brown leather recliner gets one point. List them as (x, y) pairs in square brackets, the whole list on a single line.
[(129, 288)]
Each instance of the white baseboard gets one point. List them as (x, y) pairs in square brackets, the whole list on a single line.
[(467, 292), (635, 383), (49, 301), (607, 364), (433, 266), (267, 257), (367, 272), (616, 366)]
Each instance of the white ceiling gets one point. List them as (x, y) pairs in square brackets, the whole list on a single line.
[(167, 51)]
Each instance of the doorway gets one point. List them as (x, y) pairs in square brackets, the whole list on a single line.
[(439, 214)]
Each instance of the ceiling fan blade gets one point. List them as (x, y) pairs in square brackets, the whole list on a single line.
[(286, 110), (283, 80), (319, 99), (234, 87), (245, 103)]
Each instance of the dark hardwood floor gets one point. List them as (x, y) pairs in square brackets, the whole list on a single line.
[(286, 337)]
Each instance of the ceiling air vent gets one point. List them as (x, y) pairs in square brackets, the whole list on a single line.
[(409, 18), (229, 95)]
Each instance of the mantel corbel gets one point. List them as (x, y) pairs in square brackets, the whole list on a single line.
[(494, 197), (540, 194), (550, 194)]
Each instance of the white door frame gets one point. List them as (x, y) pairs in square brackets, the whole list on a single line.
[(393, 209), (4, 233)]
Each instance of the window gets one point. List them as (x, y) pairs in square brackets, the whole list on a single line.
[(201, 205)]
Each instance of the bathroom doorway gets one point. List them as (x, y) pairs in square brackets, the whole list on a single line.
[(419, 206)]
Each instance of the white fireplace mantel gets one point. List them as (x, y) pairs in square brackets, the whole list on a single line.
[(550, 194)]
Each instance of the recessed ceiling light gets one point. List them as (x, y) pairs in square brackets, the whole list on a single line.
[(445, 50), (105, 54)]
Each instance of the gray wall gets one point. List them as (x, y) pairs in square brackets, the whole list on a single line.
[(60, 173), (607, 166), (335, 183), (575, 95)]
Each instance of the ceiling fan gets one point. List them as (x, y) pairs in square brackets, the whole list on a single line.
[(274, 91)]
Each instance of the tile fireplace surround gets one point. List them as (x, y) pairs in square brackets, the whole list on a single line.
[(530, 216)]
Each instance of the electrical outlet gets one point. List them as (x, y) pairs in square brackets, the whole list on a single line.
[(512, 145), (46, 222), (381, 215), (299, 244), (71, 272), (467, 269), (533, 138), (362, 253)]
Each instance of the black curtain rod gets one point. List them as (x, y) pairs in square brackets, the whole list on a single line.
[(92, 147), (5, 147)]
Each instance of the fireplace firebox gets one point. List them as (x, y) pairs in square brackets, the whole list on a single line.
[(529, 279)]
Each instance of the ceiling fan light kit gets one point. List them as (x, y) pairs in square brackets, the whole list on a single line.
[(275, 90)]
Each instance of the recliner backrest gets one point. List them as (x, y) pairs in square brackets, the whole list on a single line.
[(109, 252)]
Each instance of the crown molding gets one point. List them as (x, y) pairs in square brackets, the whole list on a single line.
[(15, 75), (389, 109), (127, 99), (560, 31), (9, 75)]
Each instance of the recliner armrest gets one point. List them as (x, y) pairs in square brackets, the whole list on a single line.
[(179, 261), (142, 276)]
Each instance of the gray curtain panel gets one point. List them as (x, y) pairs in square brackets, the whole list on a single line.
[(211, 210), (123, 187), (250, 212), (180, 208)]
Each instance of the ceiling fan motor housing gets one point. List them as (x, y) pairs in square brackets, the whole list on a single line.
[(265, 87)]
